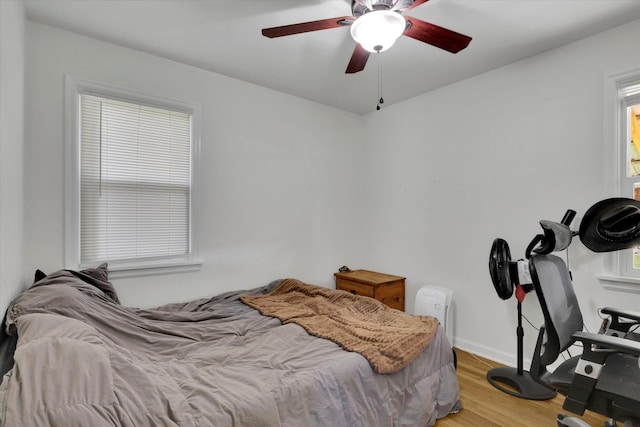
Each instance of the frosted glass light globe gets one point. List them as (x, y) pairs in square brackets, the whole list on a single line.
[(377, 31)]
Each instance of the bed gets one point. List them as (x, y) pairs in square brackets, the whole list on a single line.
[(75, 356)]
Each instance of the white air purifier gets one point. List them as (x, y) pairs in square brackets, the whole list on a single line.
[(436, 301)]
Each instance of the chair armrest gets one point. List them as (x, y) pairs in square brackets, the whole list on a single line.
[(622, 322), (607, 342), (625, 314)]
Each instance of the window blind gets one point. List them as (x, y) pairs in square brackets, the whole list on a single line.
[(631, 94), (135, 181), (633, 89)]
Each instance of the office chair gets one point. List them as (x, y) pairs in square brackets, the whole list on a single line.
[(606, 378)]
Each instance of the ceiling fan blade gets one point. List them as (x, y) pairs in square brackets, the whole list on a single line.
[(416, 3), (358, 60), (305, 27), (437, 36)]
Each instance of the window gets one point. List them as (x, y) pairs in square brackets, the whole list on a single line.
[(130, 185), (625, 89), (630, 139), (630, 132)]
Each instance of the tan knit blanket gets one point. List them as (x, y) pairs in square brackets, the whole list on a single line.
[(389, 339)]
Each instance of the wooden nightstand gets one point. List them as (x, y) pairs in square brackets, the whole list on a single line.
[(383, 287)]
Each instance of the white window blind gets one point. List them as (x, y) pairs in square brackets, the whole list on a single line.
[(630, 90), (135, 181)]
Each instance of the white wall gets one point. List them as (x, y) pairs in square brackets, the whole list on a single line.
[(11, 148), (489, 157), (280, 189), (294, 188)]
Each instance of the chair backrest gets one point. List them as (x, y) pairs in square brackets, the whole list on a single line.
[(562, 315)]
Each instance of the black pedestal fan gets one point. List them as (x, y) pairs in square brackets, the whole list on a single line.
[(514, 381)]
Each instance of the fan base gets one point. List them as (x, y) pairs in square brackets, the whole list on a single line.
[(522, 385)]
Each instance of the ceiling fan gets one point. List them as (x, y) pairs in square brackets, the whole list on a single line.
[(372, 18)]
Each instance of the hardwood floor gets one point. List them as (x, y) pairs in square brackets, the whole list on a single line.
[(486, 406)]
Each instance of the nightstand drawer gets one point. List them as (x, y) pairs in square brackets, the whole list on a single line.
[(354, 287)]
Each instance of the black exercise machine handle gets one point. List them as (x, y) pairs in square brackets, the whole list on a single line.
[(568, 217)]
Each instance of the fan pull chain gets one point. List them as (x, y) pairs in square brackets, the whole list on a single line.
[(380, 99)]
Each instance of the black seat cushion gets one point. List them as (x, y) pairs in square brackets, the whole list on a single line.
[(620, 376)]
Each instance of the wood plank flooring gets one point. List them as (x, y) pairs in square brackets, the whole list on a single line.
[(486, 406)]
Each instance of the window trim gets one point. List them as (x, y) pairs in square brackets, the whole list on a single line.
[(132, 268), (619, 278)]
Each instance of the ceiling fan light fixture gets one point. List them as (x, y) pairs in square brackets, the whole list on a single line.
[(378, 30)]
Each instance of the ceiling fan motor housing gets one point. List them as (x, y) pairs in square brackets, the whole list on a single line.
[(360, 7)]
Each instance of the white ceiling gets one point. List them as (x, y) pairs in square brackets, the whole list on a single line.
[(224, 36)]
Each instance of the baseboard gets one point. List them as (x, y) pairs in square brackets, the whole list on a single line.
[(508, 359)]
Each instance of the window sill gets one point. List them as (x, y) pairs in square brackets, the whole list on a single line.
[(122, 271), (620, 283)]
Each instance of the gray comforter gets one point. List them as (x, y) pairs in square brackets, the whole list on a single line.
[(83, 359)]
